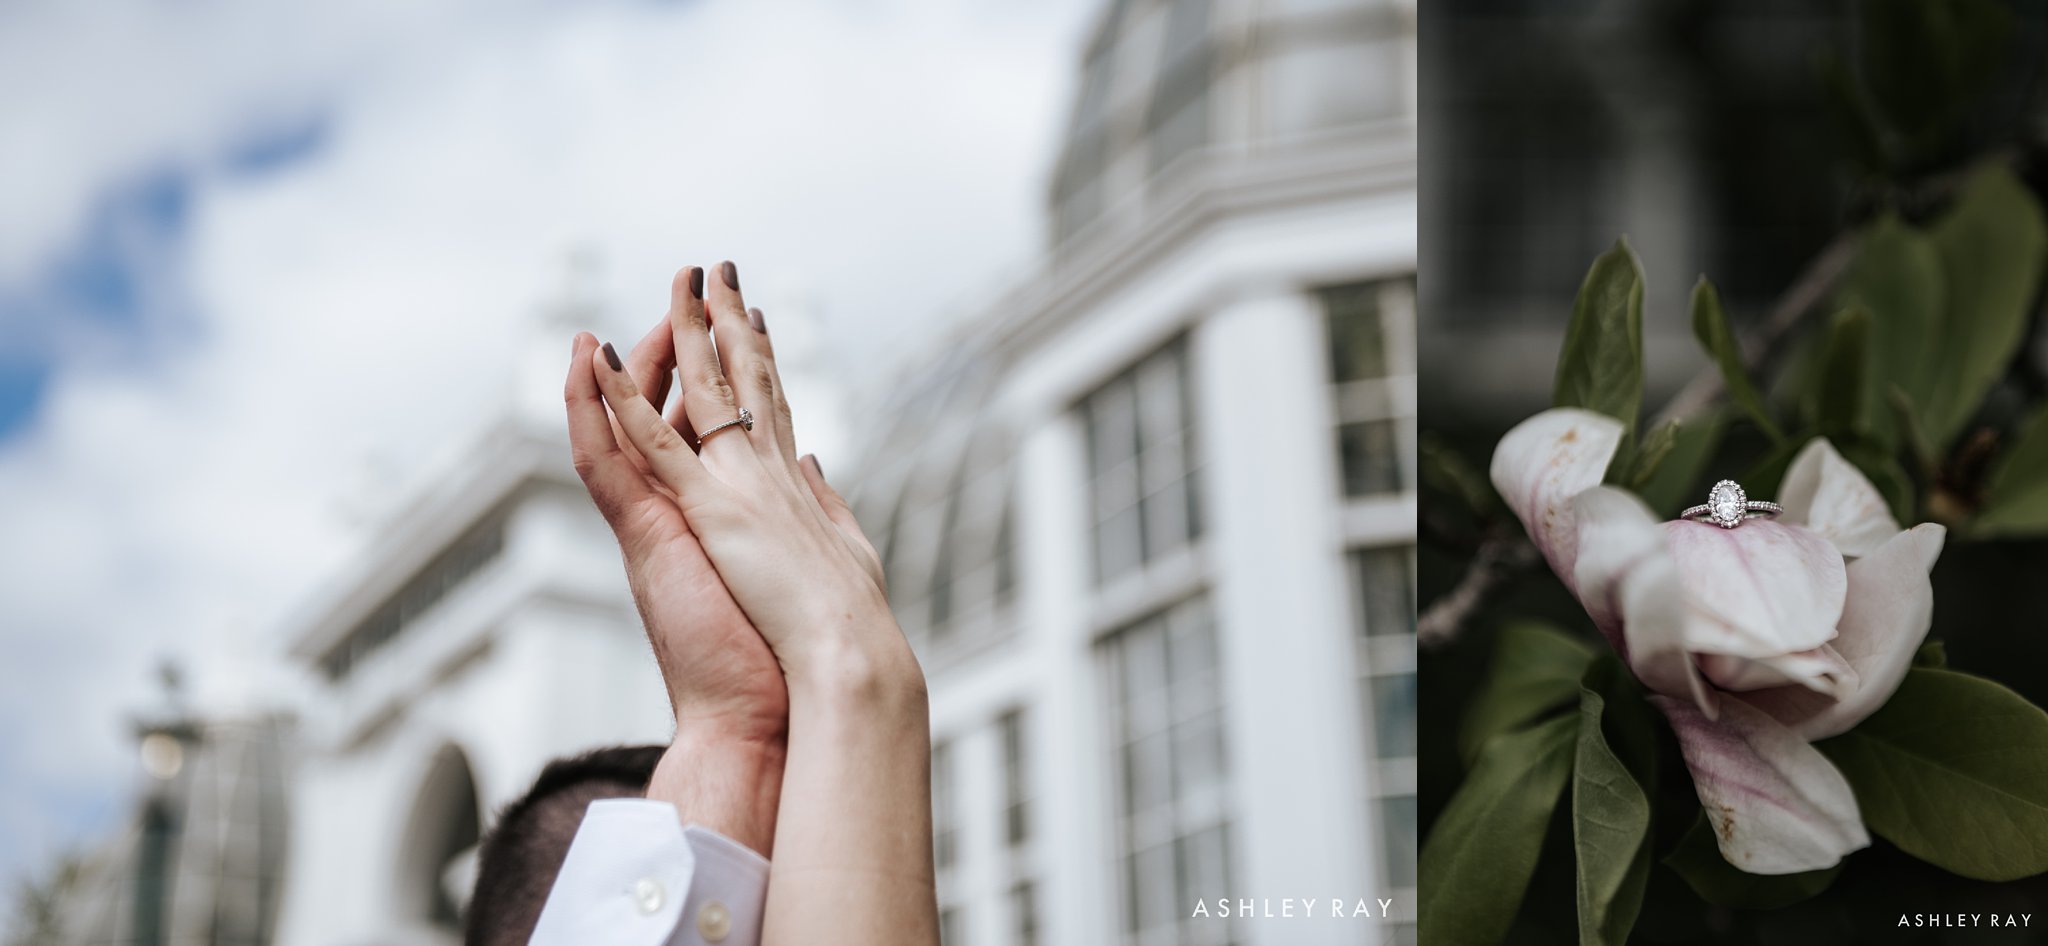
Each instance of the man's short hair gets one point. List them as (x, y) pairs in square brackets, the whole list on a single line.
[(519, 858)]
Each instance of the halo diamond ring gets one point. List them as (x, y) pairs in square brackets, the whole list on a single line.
[(1728, 506), (745, 422)]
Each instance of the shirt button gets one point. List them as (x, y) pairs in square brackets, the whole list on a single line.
[(648, 895), (714, 921)]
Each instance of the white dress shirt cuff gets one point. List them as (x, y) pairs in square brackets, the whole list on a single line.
[(636, 876)]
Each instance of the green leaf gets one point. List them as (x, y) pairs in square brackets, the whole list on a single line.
[(1447, 471), (1676, 482), (1536, 670), (1600, 367), (1610, 832), (1853, 117), (1710, 326), (1768, 472), (1897, 278), (1477, 861), (1991, 245), (1698, 859), (1931, 654), (1954, 770), (1907, 422), (1650, 454), (2016, 494), (1882, 468), (1838, 390)]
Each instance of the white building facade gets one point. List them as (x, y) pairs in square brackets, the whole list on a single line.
[(486, 630), (1150, 521)]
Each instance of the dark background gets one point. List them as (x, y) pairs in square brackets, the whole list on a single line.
[(1705, 132)]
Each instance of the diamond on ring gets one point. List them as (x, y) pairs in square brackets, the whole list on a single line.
[(1728, 506)]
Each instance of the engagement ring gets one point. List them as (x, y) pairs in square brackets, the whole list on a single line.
[(745, 422), (1728, 506)]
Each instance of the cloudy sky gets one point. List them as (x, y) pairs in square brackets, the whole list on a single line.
[(261, 263)]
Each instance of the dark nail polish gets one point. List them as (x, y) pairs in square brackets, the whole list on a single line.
[(731, 274), (696, 282), (754, 318), (611, 357)]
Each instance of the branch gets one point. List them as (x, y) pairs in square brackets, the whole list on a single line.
[(1505, 556), (1498, 560), (1761, 341)]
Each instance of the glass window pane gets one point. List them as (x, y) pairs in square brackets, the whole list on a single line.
[(1146, 775), (1384, 583), (1198, 754), (1393, 715), (1357, 343), (1152, 886), (1327, 85), (1171, 756), (1024, 914), (1204, 872), (1118, 545), (1397, 840), (1141, 455), (1166, 519), (1371, 456), (1113, 426)]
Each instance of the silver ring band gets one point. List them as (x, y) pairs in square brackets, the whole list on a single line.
[(745, 422), (1755, 509)]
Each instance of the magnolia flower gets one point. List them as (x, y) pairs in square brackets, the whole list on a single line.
[(1755, 640)]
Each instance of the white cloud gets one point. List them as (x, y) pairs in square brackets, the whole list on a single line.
[(874, 164)]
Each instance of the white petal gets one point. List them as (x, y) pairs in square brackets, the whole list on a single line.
[(1821, 670), (1890, 607), (1776, 804), (1827, 494), (1544, 462), (1630, 587), (1770, 589)]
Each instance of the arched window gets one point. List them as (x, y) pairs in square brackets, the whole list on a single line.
[(441, 834)]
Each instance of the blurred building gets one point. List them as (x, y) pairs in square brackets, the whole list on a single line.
[(1149, 519), (485, 630), (200, 860), (1700, 131)]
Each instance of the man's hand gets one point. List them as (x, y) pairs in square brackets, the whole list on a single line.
[(727, 690)]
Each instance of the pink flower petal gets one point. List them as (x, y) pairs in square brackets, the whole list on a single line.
[(1769, 588), (1546, 461), (1776, 804), (1630, 587), (1827, 494), (1820, 670), (1890, 607)]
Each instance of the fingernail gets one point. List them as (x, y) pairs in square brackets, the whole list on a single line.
[(696, 282), (731, 274), (760, 324), (816, 467), (611, 357)]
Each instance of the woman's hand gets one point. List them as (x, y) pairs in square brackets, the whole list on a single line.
[(853, 844), (725, 767), (783, 540), (719, 672)]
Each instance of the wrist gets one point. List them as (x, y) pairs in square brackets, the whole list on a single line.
[(728, 782), (868, 670)]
